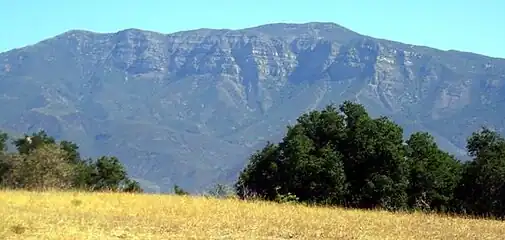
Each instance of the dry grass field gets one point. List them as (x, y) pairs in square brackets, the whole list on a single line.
[(57, 215)]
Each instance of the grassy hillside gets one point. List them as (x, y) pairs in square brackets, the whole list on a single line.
[(72, 215)]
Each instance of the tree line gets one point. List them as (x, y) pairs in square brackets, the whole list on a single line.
[(40, 162), (335, 156), (342, 156)]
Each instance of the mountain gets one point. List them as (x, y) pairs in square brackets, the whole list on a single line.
[(188, 108)]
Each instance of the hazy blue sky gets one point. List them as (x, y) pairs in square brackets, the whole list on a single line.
[(477, 26)]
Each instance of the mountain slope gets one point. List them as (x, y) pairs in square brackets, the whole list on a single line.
[(188, 108)]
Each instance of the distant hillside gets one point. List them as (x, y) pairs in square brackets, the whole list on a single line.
[(188, 108)]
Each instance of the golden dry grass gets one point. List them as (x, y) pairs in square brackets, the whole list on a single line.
[(66, 215)]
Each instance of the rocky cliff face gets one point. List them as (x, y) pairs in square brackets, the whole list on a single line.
[(189, 107)]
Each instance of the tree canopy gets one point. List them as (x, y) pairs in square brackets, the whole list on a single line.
[(343, 156), (41, 162)]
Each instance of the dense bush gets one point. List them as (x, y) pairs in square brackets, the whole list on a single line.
[(345, 157), (42, 163)]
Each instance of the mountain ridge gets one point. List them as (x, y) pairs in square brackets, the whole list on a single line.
[(259, 28), (188, 107)]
